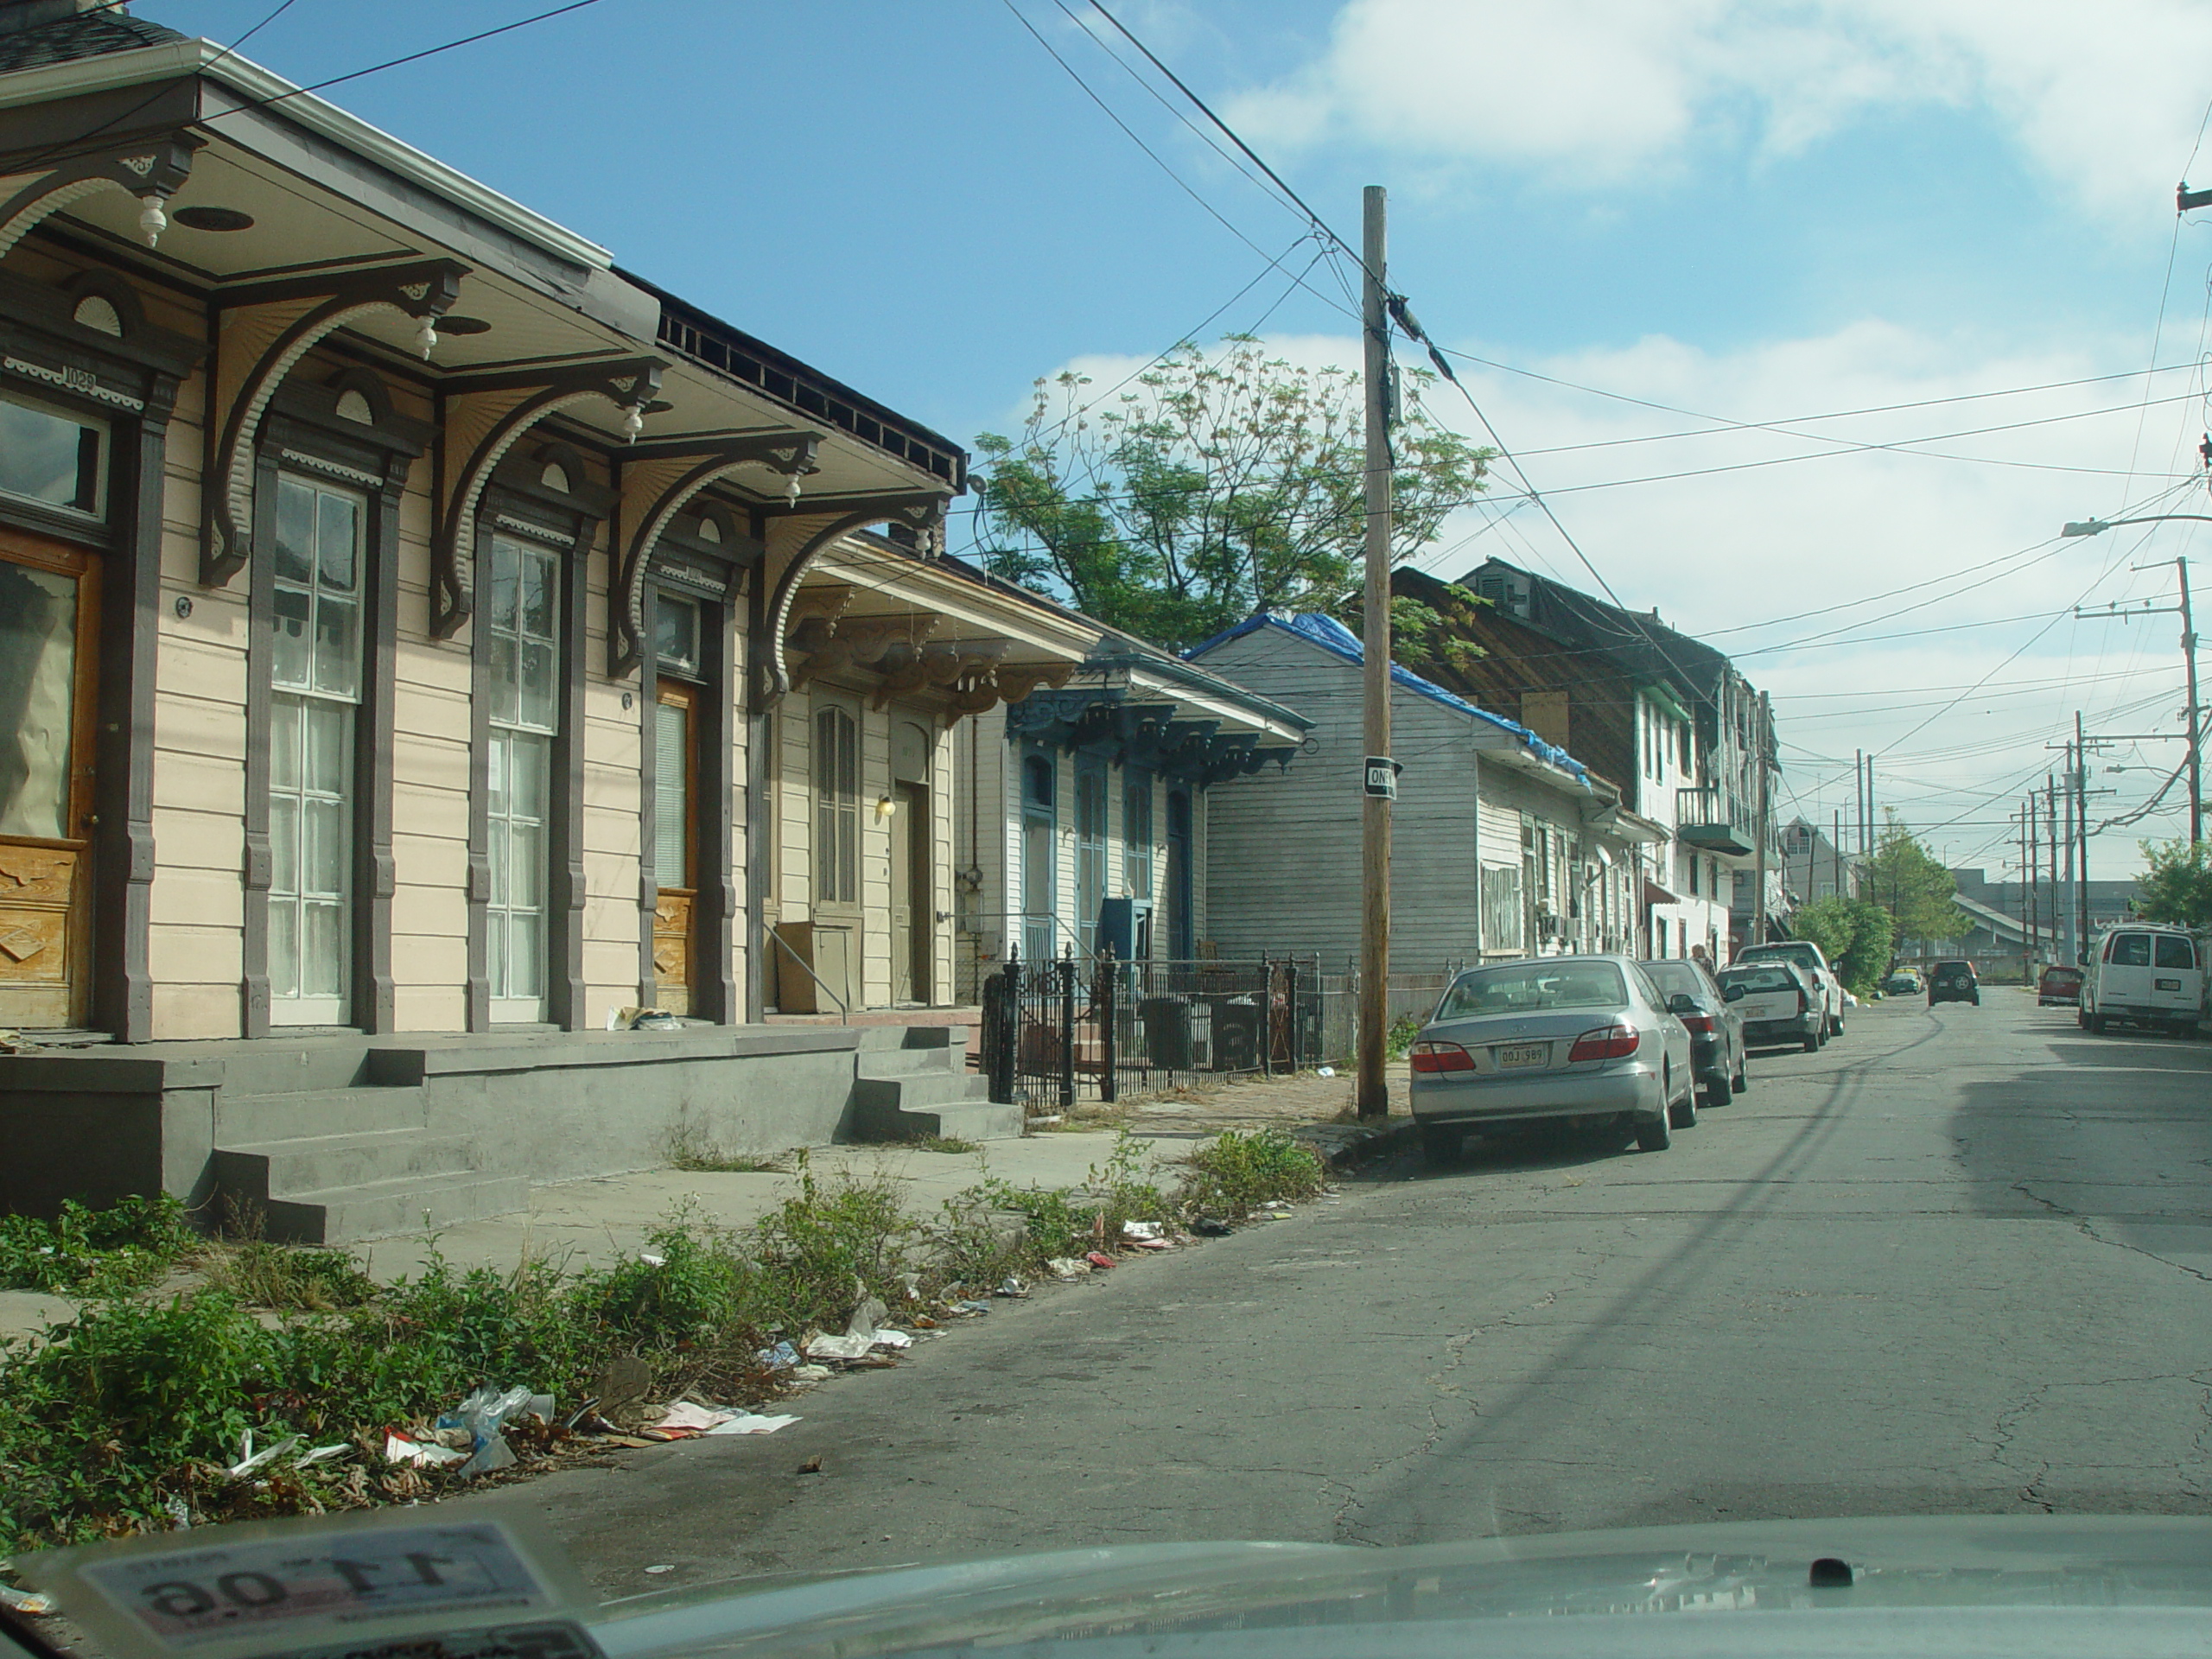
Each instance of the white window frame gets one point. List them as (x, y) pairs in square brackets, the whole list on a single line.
[(511, 727), (288, 1004)]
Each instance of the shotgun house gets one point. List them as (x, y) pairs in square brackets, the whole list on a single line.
[(1088, 829), (422, 645), (1666, 721), (1502, 844)]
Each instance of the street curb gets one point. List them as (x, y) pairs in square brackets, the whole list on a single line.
[(1346, 1146)]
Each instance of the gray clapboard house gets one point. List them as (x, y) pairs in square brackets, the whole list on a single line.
[(1504, 844)]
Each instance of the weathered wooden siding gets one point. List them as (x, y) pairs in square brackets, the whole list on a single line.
[(1283, 864)]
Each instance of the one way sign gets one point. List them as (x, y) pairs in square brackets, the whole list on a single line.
[(1382, 777)]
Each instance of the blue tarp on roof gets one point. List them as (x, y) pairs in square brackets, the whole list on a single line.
[(1340, 641)]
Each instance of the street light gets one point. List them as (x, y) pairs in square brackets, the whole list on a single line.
[(2097, 527)]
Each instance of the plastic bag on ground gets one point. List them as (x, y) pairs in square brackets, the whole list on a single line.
[(484, 1413), (1139, 1229), (781, 1357), (1068, 1266), (423, 1455)]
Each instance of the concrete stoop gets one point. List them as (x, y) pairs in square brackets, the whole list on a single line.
[(914, 1081), (367, 1166)]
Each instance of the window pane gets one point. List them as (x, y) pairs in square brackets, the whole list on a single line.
[(525, 868), (322, 949), (283, 948), (2131, 950), (289, 622), (2174, 953), (529, 778), (329, 754), (495, 949), (535, 701), (526, 959), (506, 699), (38, 657), (337, 540), (337, 645), (497, 862), (284, 716), (537, 595), (322, 852), (295, 530), (676, 631), (504, 577), (495, 774), (284, 844), (49, 456)]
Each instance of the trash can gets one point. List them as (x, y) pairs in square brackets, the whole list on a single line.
[(1237, 1027), (1166, 1021)]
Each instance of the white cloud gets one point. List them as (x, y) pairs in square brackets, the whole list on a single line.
[(2107, 102), (1721, 552)]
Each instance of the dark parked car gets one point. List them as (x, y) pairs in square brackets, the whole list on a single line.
[(1779, 1002), (1903, 982), (1954, 982), (1716, 1029), (2059, 988)]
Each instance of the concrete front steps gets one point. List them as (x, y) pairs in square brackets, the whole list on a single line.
[(914, 1081), (325, 1151)]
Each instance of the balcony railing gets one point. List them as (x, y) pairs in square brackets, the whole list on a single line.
[(1705, 818)]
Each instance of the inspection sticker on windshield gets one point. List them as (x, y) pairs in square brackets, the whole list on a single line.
[(1524, 1054), (284, 1588)]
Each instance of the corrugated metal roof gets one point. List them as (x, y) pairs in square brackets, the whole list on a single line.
[(1338, 641), (87, 34)]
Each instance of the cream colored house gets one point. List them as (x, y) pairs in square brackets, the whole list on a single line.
[(420, 643)]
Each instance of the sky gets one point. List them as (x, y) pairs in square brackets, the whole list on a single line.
[(1683, 243)]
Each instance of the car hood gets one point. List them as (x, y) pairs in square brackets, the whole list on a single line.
[(2008, 1585)]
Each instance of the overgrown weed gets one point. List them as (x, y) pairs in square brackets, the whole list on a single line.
[(95, 1253), (1234, 1173)]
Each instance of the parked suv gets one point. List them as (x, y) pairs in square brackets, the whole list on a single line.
[(1954, 982), (1807, 956), (2146, 974), (1779, 1002)]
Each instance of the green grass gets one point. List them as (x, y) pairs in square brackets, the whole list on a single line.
[(117, 1422)]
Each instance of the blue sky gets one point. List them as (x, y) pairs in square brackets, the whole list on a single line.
[(1749, 210)]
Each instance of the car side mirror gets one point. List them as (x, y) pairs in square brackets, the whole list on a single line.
[(1682, 1002), (1732, 993)]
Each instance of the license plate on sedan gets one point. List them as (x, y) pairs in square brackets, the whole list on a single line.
[(1523, 1054)]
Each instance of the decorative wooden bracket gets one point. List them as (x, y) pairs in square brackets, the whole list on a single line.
[(152, 170), (925, 513), (262, 342), (483, 419), (667, 489)]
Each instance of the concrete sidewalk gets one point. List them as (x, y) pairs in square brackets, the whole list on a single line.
[(592, 1223)]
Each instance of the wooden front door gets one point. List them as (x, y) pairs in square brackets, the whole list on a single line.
[(676, 775), (49, 629)]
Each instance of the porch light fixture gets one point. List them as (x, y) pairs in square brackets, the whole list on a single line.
[(885, 806)]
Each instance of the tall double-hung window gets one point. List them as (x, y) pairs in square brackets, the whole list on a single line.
[(836, 807), (1137, 834), (525, 676), (316, 674)]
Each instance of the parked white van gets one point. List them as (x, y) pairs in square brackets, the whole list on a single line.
[(2145, 974)]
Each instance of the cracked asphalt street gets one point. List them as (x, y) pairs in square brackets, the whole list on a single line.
[(1958, 1261)]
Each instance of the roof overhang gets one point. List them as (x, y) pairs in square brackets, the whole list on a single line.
[(1722, 838)]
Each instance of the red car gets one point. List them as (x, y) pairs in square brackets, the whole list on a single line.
[(2059, 988)]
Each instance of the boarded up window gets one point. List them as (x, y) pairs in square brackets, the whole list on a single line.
[(1544, 713)]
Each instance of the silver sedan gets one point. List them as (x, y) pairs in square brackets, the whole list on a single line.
[(1548, 1038)]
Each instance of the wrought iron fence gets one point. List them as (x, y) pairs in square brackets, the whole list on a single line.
[(1071, 1029)]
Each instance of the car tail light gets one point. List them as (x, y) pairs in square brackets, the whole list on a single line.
[(1700, 1023), (1442, 1057), (1606, 1043), (1802, 1005)]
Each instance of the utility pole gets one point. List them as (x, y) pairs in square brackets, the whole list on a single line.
[(1373, 1096), (2066, 892), (2196, 717), (2028, 869), (1758, 879), (2050, 844), (1836, 847), (2082, 829), (2027, 925)]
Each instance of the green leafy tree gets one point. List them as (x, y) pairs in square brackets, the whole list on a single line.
[(2176, 886), (1911, 884), (1855, 935), (1220, 483)]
